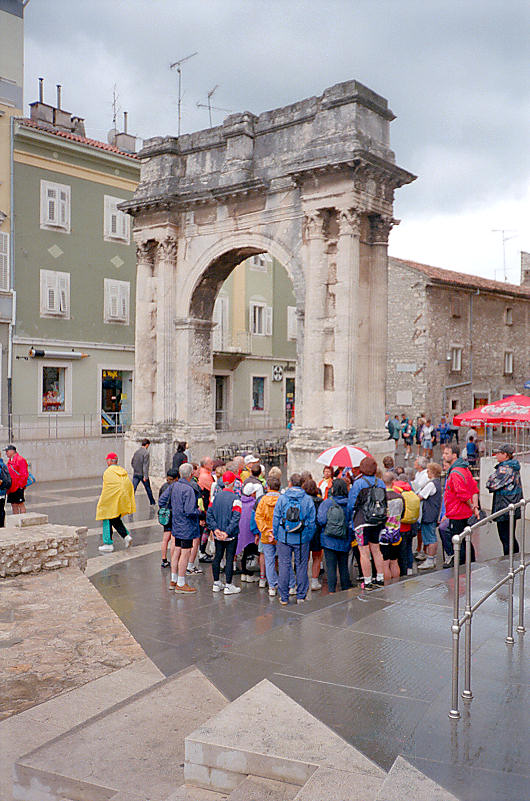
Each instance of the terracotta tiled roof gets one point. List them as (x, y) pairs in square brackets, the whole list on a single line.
[(463, 280), (83, 140)]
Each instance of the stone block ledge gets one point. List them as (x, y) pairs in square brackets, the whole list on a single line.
[(27, 547)]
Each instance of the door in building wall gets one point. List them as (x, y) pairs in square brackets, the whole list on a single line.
[(221, 402), (116, 401), (289, 402)]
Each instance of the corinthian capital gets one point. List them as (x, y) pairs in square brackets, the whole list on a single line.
[(313, 225), (168, 248), (349, 222), (380, 228), (145, 251)]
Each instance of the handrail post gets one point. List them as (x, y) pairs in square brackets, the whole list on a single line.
[(466, 693), (509, 640), (454, 714), (521, 627)]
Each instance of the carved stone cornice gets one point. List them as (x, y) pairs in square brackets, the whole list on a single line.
[(349, 221), (167, 249), (380, 228)]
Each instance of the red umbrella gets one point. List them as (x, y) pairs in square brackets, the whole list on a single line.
[(513, 410), (343, 456)]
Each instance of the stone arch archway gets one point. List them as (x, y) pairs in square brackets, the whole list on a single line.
[(312, 184)]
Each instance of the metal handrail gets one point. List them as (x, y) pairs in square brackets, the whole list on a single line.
[(466, 619)]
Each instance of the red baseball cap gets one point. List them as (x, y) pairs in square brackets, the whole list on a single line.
[(111, 455), (229, 477)]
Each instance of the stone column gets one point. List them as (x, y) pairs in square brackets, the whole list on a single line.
[(145, 335), (315, 270), (165, 272), (371, 411), (347, 383)]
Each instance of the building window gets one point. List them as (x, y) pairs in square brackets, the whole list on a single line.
[(456, 359), (54, 294), (55, 389), (221, 337), (454, 405), (258, 394), (508, 362), (260, 319), (116, 226), (508, 315), (329, 378), (291, 322), (260, 262), (4, 261), (117, 295), (456, 306), (55, 206)]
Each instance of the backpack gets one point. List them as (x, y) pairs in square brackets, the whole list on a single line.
[(412, 503), (292, 518), (336, 523), (373, 505), (5, 477)]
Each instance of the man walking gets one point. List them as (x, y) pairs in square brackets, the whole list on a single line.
[(182, 500), (116, 499), (460, 498), (18, 470), (293, 526), (140, 466)]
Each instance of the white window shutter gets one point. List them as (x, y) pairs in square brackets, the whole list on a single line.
[(251, 319), (49, 299), (291, 322), (124, 301), (51, 205), (268, 321), (106, 216), (64, 293), (4, 260)]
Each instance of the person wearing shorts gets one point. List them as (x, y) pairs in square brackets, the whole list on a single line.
[(180, 497), (367, 536), (171, 476), (18, 470)]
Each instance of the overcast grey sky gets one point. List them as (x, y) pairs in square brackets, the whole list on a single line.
[(456, 74)]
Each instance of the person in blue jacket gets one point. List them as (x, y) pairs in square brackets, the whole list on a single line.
[(181, 498), (336, 549), (367, 535), (293, 526), (222, 518)]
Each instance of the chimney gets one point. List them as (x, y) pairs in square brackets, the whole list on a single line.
[(41, 90), (59, 96), (525, 269), (40, 111), (125, 141)]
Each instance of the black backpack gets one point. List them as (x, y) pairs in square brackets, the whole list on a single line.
[(373, 505), (5, 477), (336, 523)]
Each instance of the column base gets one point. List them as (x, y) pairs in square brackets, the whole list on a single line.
[(305, 445)]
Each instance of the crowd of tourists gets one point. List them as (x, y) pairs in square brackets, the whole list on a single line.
[(420, 435), (367, 524)]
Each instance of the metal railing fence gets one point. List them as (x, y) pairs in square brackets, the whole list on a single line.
[(465, 621), (25, 427)]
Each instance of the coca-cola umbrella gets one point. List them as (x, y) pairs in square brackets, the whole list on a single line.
[(514, 410), (343, 456)]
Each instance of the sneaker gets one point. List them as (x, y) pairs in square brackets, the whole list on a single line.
[(185, 588), (315, 584), (292, 590), (127, 541), (284, 603), (262, 583), (367, 586), (409, 571), (448, 562), (205, 558), (250, 578), (300, 600), (172, 585), (106, 548), (231, 589), (272, 591), (378, 583), (419, 556), (192, 571), (427, 565), (164, 563), (218, 586)]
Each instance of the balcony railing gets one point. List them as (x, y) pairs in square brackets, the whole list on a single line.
[(232, 342)]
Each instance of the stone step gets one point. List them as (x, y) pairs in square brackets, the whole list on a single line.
[(406, 781), (254, 788), (136, 748), (340, 785), (265, 733), (188, 793)]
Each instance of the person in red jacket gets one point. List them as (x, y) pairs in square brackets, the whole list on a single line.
[(460, 496), (18, 470)]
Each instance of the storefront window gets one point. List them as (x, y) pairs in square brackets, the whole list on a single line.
[(258, 394), (116, 400), (53, 389)]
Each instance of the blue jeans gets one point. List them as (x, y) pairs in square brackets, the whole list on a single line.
[(147, 484), (301, 558), (269, 549), (336, 559)]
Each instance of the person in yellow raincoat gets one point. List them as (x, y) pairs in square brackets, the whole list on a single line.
[(116, 499)]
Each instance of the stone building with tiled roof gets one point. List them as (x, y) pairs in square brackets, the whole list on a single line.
[(455, 341)]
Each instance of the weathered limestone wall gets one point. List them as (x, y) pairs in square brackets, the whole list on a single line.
[(31, 545)]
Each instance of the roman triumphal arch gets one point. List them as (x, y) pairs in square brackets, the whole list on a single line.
[(312, 184)]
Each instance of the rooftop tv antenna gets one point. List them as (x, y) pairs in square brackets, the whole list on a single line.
[(178, 64), (209, 106), (115, 106), (505, 238)]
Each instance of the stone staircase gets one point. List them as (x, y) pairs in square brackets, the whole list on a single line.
[(180, 740)]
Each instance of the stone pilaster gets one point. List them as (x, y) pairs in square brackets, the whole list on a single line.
[(145, 335), (165, 273), (347, 383)]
